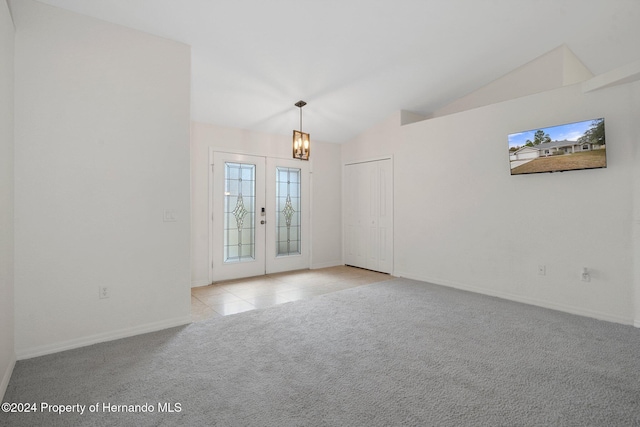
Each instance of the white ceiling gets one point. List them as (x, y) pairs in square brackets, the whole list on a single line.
[(358, 61)]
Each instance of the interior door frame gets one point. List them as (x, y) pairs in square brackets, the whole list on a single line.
[(345, 201), (306, 172)]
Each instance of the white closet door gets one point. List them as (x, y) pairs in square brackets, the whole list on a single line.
[(384, 218), (369, 215)]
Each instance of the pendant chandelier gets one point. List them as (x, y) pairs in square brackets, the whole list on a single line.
[(301, 140)]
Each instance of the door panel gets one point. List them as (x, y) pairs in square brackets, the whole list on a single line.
[(238, 234), (355, 225), (287, 215), (385, 216)]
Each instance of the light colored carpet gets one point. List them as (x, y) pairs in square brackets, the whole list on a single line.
[(393, 353)]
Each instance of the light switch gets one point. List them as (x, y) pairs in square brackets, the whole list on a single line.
[(169, 215)]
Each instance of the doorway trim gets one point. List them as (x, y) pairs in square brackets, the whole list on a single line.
[(345, 195)]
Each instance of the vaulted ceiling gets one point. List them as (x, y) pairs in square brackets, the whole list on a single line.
[(356, 62)]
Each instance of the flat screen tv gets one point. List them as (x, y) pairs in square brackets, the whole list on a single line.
[(572, 146)]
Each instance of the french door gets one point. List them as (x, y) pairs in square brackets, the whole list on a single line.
[(260, 215)]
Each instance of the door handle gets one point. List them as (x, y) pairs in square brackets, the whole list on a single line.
[(263, 222)]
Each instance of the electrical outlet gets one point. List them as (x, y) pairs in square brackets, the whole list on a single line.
[(103, 292), (542, 270), (586, 276)]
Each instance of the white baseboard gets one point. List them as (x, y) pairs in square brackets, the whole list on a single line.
[(6, 377), (525, 300), (198, 283), (328, 264), (103, 337)]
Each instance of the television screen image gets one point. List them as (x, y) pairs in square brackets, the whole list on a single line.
[(572, 146)]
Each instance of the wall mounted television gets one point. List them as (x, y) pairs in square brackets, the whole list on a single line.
[(572, 146)]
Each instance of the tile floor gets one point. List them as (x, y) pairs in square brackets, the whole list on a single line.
[(236, 296)]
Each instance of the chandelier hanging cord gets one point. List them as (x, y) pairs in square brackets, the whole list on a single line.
[(300, 104)]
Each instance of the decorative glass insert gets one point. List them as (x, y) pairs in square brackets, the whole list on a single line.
[(288, 211), (239, 212)]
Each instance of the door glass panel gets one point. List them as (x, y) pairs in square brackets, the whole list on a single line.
[(239, 212), (288, 211)]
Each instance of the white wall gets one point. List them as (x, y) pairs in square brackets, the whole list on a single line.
[(461, 220), (326, 206), (7, 348), (380, 141), (325, 190), (102, 149), (555, 69)]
